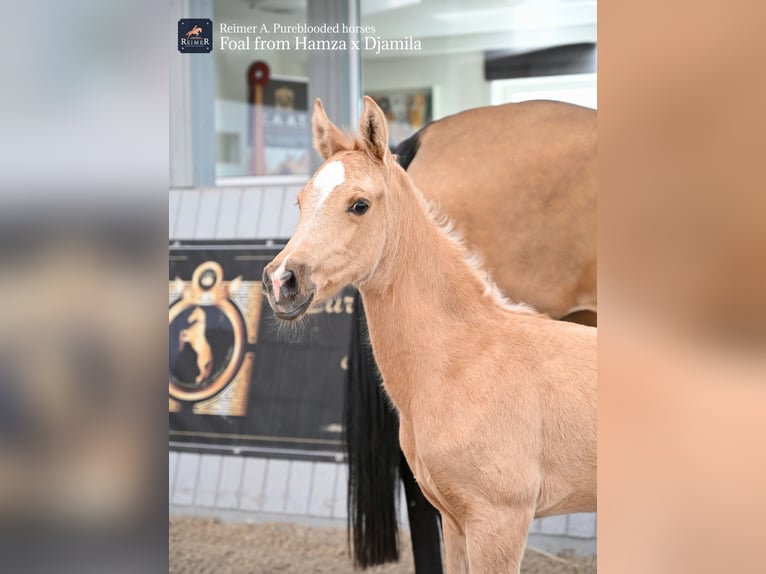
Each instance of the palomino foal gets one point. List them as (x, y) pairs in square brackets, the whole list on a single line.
[(497, 404)]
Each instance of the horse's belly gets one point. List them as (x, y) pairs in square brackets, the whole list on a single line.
[(574, 491), (575, 502)]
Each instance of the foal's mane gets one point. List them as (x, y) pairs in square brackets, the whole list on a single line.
[(444, 224)]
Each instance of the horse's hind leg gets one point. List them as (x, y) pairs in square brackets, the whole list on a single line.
[(203, 366), (454, 547), (496, 538), (183, 338)]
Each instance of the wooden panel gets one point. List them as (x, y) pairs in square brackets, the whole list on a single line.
[(230, 482), (535, 526), (247, 218), (172, 464), (299, 487), (174, 201), (322, 496), (228, 213), (207, 214), (582, 525), (207, 480), (341, 488), (554, 524), (253, 483), (275, 489), (271, 211), (186, 478), (187, 214)]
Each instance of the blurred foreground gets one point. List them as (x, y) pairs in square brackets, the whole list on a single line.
[(682, 288), (83, 266)]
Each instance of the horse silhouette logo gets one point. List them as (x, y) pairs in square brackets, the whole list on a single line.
[(196, 31), (195, 36), (195, 336), (208, 336)]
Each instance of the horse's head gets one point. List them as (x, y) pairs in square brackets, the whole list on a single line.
[(342, 228), (196, 316)]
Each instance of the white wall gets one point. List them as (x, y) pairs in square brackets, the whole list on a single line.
[(580, 89)]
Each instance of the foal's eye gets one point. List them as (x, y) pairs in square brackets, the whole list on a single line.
[(359, 207)]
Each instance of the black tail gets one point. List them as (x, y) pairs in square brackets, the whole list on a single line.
[(375, 462), (407, 149), (372, 440)]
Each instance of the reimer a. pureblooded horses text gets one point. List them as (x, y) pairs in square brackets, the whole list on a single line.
[(497, 403)]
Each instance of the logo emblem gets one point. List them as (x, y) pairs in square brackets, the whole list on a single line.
[(195, 36), (211, 322)]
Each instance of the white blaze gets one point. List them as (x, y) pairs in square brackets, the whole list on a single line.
[(276, 280), (325, 182), (330, 177)]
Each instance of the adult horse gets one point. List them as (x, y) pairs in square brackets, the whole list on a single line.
[(458, 351), (518, 182)]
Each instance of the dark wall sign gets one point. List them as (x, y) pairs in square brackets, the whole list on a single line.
[(553, 61), (238, 380)]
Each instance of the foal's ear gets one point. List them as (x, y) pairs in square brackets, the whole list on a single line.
[(328, 139), (374, 129)]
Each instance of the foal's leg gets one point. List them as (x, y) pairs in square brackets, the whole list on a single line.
[(454, 547), (495, 540)]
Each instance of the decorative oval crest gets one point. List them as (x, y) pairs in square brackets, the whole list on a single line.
[(207, 336)]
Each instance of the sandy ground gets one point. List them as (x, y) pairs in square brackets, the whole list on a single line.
[(207, 546)]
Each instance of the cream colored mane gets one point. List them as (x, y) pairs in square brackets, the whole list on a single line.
[(446, 225)]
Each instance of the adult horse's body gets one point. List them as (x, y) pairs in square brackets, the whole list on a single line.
[(465, 369), (518, 182)]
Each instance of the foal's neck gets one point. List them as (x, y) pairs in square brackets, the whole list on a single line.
[(422, 299)]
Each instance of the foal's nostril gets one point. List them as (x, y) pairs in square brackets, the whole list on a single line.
[(289, 282)]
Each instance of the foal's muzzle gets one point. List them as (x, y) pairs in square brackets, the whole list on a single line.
[(291, 292)]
